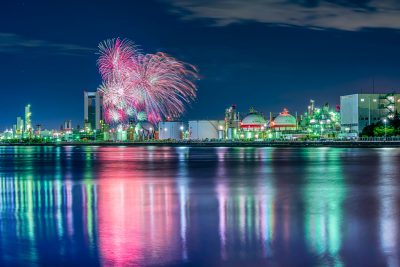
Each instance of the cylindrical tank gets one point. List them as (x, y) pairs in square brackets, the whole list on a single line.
[(230, 133), (221, 134), (121, 135)]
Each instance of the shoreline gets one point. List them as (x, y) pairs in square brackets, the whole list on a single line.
[(343, 144)]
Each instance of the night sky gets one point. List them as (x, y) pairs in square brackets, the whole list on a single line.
[(262, 54)]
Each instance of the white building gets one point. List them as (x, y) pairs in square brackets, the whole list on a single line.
[(93, 109), (206, 129), (360, 110), (171, 130)]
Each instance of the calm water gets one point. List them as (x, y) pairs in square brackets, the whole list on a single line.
[(148, 206)]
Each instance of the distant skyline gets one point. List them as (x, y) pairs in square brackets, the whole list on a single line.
[(262, 54)]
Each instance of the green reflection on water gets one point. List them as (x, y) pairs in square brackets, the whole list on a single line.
[(323, 194), (34, 211), (246, 213), (89, 213)]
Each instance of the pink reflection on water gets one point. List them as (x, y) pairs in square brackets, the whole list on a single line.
[(68, 189), (137, 222), (242, 218)]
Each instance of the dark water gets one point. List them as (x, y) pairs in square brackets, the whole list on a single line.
[(134, 206)]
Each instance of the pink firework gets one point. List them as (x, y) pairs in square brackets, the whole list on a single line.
[(163, 85), (116, 59), (157, 84)]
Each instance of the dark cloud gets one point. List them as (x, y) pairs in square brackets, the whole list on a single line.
[(349, 15), (13, 43)]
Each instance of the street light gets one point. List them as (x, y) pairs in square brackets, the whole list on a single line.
[(385, 121), (369, 110), (182, 132)]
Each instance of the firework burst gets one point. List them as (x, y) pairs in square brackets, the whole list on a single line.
[(156, 84)]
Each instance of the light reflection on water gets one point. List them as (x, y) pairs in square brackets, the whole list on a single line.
[(137, 206)]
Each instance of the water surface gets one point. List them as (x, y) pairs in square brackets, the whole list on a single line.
[(166, 206)]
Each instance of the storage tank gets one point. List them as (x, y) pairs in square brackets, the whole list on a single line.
[(144, 130), (171, 130), (231, 133), (284, 122), (206, 129)]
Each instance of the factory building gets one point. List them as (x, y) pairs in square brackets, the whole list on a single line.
[(206, 129), (321, 121), (360, 110), (28, 115), (254, 126), (67, 125), (171, 130), (232, 122), (19, 127)]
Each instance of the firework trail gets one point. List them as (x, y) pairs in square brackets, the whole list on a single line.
[(156, 84)]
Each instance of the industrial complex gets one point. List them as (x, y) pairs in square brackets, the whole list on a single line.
[(346, 120)]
